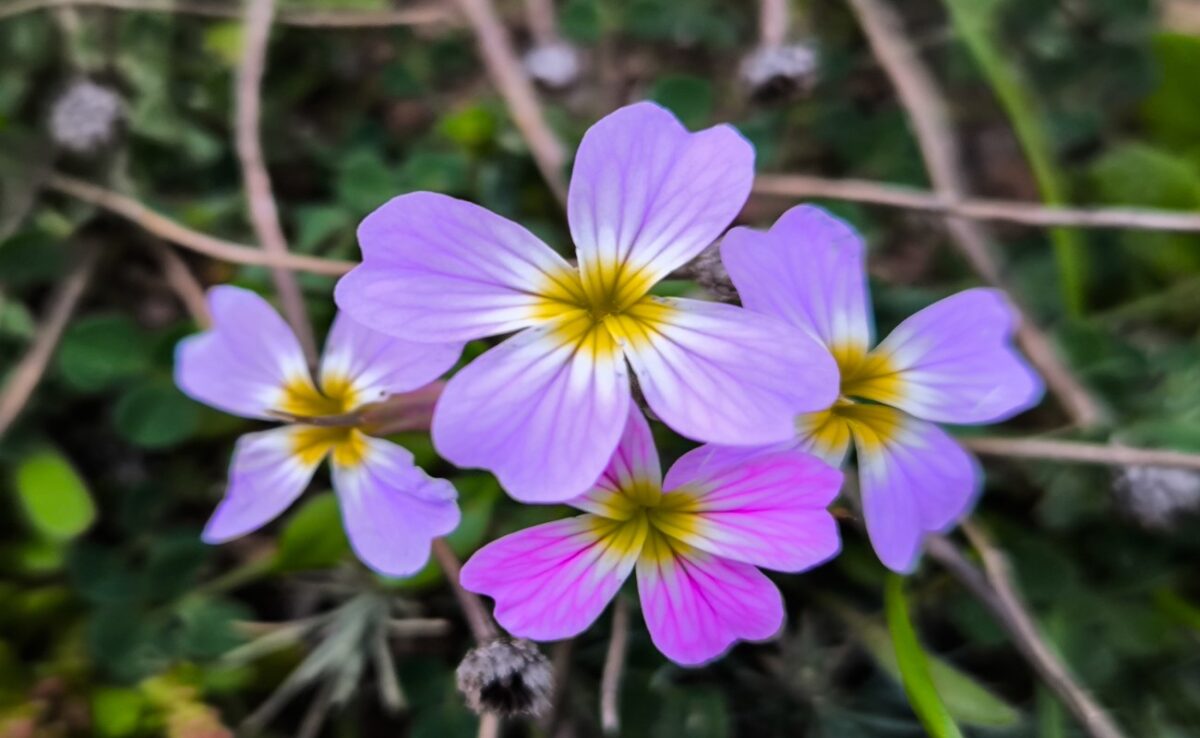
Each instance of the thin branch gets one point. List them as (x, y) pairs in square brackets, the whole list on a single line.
[(489, 725), (773, 22), (1075, 696), (614, 668), (504, 67), (480, 623), (1081, 452), (25, 376), (183, 283), (1006, 211), (430, 14), (926, 108), (264, 215), (543, 23), (181, 235)]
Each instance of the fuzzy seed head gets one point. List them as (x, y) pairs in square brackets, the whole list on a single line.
[(1157, 496), (778, 71), (555, 65), (508, 677), (84, 117)]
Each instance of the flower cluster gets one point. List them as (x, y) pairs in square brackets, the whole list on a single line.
[(773, 390)]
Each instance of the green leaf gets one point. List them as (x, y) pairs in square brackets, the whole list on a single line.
[(966, 699), (914, 668), (435, 171), (15, 319), (98, 351), (313, 537), (1170, 110), (116, 711), (690, 98), (156, 415), (224, 42), (471, 127), (54, 498)]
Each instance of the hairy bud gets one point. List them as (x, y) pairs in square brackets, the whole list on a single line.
[(507, 677), (84, 118), (555, 65), (779, 71)]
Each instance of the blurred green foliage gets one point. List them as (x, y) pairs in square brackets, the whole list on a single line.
[(118, 622)]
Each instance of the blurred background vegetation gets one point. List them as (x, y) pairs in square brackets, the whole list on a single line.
[(116, 621)]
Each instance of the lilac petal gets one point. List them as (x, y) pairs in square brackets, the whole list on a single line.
[(722, 374), (377, 365), (956, 363), (439, 270), (392, 509), (553, 580), (634, 464), (807, 270), (824, 434), (647, 194), (243, 362), (265, 478), (766, 508), (697, 605), (914, 479), (542, 411)]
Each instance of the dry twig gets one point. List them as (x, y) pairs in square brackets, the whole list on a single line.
[(25, 376), (926, 109), (773, 22), (514, 86), (264, 215), (1079, 451), (543, 23), (183, 283), (614, 668), (431, 14), (478, 620), (1054, 672)]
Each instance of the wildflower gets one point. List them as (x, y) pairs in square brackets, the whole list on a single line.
[(544, 409), (506, 676), (695, 538), (250, 364), (952, 362)]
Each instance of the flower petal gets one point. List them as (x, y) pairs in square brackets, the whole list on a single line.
[(542, 411), (807, 270), (269, 471), (914, 479), (391, 508), (436, 269), (244, 362), (954, 362), (766, 508), (647, 195), (633, 472), (824, 434), (722, 374), (376, 365), (697, 605), (552, 581)]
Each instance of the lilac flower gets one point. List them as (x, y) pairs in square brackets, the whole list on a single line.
[(250, 364), (952, 362), (696, 539), (544, 409)]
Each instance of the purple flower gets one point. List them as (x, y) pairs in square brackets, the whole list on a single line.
[(250, 364), (696, 539), (545, 409), (952, 362)]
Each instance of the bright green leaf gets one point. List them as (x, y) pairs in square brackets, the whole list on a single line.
[(53, 496), (116, 711), (915, 673)]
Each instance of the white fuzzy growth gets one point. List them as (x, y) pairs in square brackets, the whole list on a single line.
[(1158, 496), (793, 65), (84, 118), (555, 65)]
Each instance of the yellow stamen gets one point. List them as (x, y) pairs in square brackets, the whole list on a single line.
[(337, 396), (637, 516)]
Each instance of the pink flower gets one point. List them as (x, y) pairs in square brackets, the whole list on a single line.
[(250, 364), (695, 538), (544, 409), (952, 362)]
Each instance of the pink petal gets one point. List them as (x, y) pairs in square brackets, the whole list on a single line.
[(766, 508), (392, 509), (722, 374), (265, 478), (378, 365), (697, 605), (649, 195), (243, 362), (440, 270), (914, 480), (552, 581), (807, 270), (634, 463), (541, 411), (956, 362)]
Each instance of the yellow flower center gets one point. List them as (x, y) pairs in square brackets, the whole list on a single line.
[(643, 520), (311, 443), (870, 383), (599, 307)]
